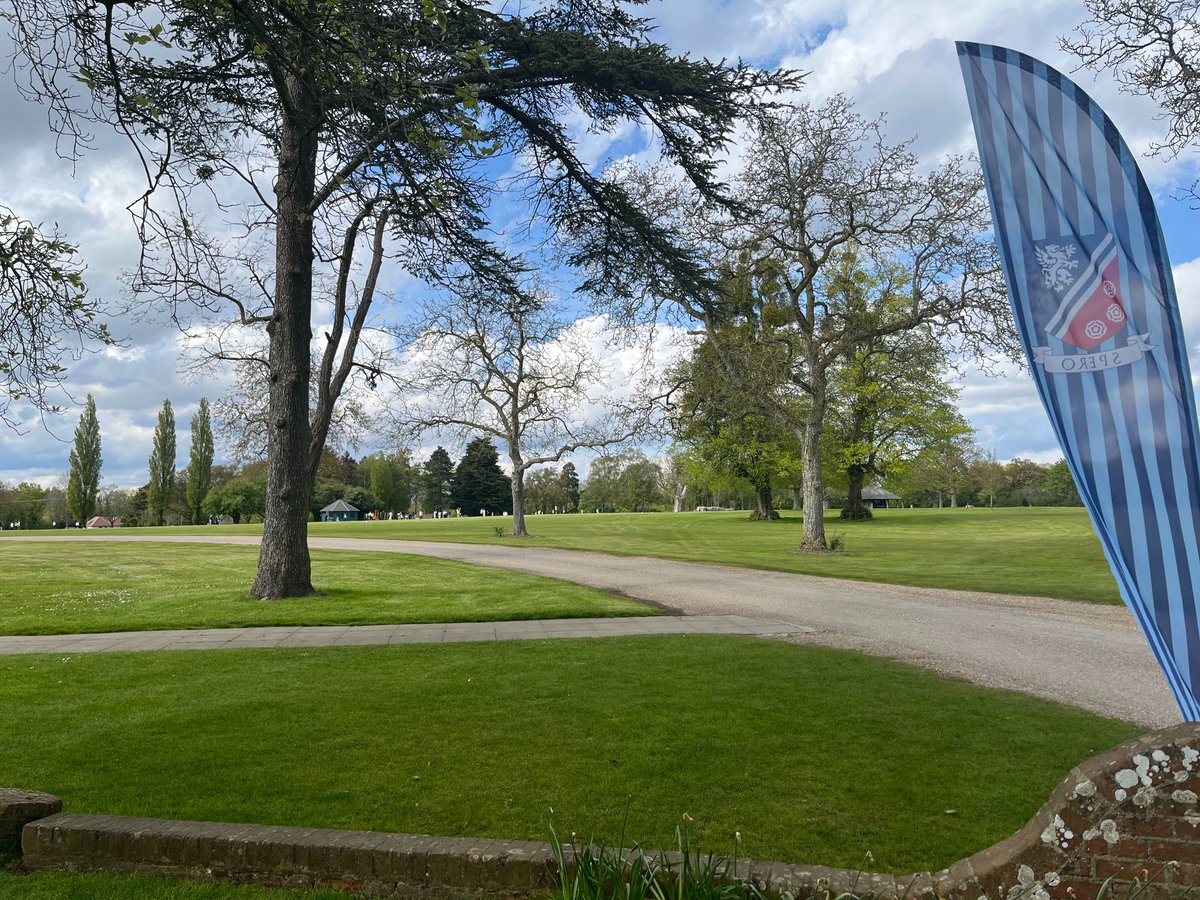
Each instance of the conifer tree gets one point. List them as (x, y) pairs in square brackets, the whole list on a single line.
[(86, 461), (162, 465), (570, 482), (200, 460), (479, 482), (435, 481)]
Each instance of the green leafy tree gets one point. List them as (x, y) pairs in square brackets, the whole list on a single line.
[(639, 487), (600, 491), (239, 498), (382, 476), (84, 478), (479, 483), (889, 401), (988, 474), (162, 466), (200, 460), (406, 479), (723, 415), (545, 492), (1026, 483), (1060, 486), (436, 477), (27, 504), (360, 121), (943, 469)]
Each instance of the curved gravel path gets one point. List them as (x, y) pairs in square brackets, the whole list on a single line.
[(1082, 654)]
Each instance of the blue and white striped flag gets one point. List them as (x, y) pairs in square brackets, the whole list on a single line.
[(1091, 289)]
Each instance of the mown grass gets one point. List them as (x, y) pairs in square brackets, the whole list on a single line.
[(60, 588), (1038, 551), (107, 886), (814, 755)]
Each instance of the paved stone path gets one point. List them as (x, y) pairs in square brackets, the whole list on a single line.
[(1082, 654), (365, 635)]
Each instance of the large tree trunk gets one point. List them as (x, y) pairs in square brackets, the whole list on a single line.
[(284, 567), (518, 496), (764, 504), (814, 482), (855, 508), (680, 495)]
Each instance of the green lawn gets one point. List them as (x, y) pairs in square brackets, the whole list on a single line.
[(1038, 551), (815, 755), (59, 588)]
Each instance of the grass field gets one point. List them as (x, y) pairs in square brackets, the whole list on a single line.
[(1039, 551), (815, 755), (59, 588)]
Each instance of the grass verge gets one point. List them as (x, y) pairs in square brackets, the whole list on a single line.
[(814, 755), (61, 588)]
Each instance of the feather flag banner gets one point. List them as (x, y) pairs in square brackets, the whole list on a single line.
[(1094, 301)]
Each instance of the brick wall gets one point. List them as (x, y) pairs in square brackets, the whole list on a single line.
[(1133, 812)]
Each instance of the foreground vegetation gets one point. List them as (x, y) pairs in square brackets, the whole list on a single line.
[(59, 588), (107, 886), (814, 755), (1036, 551)]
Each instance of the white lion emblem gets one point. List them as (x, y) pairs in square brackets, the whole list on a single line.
[(1057, 262)]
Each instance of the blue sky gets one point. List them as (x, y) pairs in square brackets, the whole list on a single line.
[(888, 58)]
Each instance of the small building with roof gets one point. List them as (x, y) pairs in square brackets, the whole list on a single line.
[(340, 511), (877, 497)]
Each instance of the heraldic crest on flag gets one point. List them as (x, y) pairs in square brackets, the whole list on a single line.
[(1094, 304), (1077, 299)]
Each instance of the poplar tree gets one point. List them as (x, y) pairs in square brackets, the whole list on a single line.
[(200, 460), (85, 466), (162, 465)]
